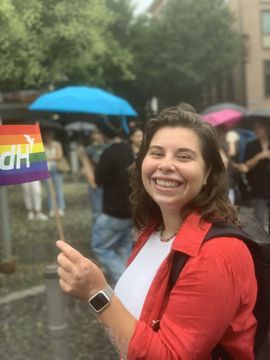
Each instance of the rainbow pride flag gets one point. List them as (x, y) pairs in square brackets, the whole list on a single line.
[(22, 156)]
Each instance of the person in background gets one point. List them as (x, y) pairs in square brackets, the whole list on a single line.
[(94, 151), (32, 196), (112, 232), (54, 152), (135, 139), (228, 144), (178, 191), (89, 157), (257, 167)]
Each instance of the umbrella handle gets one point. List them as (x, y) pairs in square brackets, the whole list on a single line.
[(124, 124)]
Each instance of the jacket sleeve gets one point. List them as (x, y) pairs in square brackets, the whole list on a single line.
[(201, 307)]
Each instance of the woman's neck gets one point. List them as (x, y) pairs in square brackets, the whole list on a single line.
[(171, 223), (135, 149)]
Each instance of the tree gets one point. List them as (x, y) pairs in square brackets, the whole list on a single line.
[(189, 46), (46, 42)]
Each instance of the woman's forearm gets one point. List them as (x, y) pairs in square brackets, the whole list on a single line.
[(119, 325)]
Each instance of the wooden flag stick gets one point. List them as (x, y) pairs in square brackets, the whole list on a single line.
[(58, 219)]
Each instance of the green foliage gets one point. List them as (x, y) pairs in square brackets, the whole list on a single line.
[(52, 41), (189, 46)]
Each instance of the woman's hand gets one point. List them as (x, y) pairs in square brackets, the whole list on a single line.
[(79, 276)]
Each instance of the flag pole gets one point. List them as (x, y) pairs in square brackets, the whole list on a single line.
[(58, 220)]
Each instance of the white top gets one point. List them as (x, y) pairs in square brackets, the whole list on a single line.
[(232, 136), (50, 152), (133, 285)]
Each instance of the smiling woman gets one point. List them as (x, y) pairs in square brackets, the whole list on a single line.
[(178, 192), (173, 170)]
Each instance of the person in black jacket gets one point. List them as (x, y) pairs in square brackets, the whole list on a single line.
[(257, 161), (112, 230)]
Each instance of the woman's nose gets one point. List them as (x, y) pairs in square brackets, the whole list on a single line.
[(166, 165)]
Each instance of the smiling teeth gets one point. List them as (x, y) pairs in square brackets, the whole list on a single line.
[(167, 183)]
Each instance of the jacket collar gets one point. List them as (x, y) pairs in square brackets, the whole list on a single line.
[(188, 239), (191, 234)]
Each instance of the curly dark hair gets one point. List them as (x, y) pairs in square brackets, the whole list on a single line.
[(212, 202)]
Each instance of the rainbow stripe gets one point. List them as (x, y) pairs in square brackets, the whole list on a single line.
[(22, 156)]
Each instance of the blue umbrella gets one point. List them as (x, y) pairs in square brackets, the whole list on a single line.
[(83, 99)]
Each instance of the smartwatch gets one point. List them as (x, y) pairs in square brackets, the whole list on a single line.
[(102, 299)]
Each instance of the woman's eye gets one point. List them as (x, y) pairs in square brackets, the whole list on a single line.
[(155, 153), (184, 157)]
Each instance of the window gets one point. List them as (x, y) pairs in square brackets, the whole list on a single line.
[(267, 77), (266, 29)]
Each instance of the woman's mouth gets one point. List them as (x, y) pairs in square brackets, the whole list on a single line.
[(171, 184)]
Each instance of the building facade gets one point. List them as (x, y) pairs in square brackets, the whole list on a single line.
[(252, 75)]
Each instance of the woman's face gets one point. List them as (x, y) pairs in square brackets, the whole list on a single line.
[(173, 170), (137, 137), (97, 139)]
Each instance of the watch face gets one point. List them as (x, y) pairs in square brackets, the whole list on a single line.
[(99, 301)]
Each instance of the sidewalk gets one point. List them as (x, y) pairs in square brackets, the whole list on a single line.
[(24, 330)]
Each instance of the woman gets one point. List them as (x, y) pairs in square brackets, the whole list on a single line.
[(135, 138), (32, 196), (179, 189), (54, 153)]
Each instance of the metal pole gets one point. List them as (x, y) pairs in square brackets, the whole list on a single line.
[(5, 223), (56, 314), (4, 211), (7, 247)]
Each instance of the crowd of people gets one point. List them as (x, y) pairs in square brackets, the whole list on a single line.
[(32, 192)]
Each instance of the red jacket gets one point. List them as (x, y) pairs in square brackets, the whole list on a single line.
[(212, 299)]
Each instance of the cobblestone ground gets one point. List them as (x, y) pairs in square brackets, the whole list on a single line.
[(24, 331)]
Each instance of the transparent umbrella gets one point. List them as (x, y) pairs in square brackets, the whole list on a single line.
[(80, 126)]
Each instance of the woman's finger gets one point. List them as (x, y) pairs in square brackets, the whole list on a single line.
[(64, 262), (64, 275), (73, 255)]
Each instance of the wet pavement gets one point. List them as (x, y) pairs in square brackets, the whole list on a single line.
[(24, 332)]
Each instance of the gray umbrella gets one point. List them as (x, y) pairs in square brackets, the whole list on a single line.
[(224, 106), (263, 115), (50, 124), (259, 113)]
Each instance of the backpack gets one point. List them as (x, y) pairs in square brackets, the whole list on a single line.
[(258, 243), (245, 136)]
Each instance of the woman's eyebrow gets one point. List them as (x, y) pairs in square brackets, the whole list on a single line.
[(186, 150), (155, 147), (181, 149)]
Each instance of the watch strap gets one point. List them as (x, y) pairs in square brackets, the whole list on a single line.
[(108, 290)]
